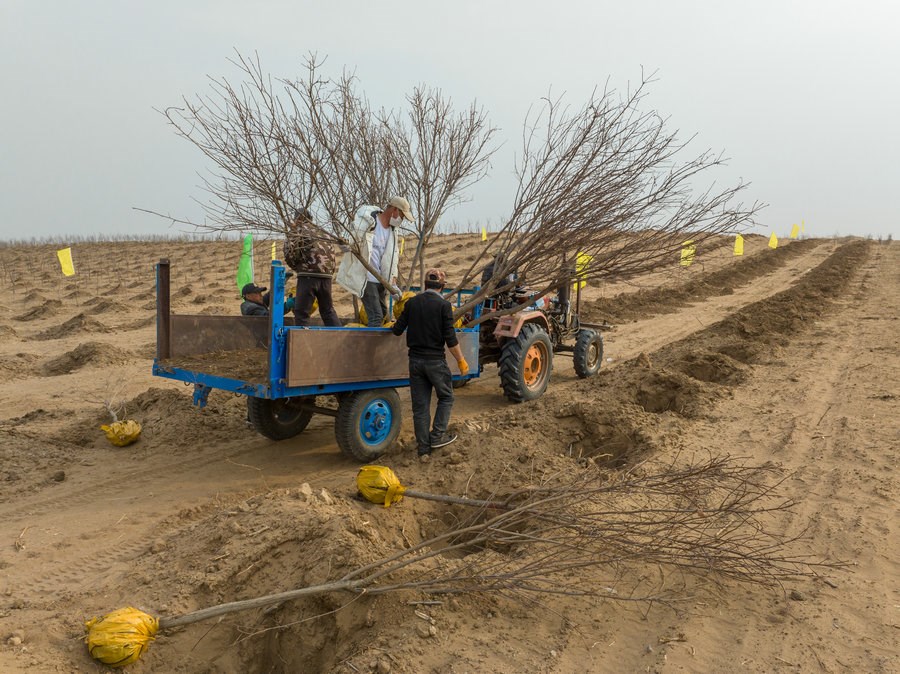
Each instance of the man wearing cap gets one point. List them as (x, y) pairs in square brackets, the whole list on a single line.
[(311, 256), (373, 231), (253, 304), (427, 319)]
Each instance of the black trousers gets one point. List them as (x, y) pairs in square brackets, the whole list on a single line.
[(425, 375), (310, 288)]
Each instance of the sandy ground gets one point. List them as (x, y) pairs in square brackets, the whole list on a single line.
[(788, 358)]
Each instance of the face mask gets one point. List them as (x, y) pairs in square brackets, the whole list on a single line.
[(395, 221)]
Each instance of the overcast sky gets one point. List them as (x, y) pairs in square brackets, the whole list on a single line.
[(803, 97)]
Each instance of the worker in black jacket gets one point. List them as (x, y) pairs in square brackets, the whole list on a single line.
[(427, 319)]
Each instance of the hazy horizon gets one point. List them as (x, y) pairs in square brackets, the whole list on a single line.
[(802, 97)]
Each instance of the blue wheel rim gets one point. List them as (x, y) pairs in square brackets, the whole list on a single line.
[(375, 422)]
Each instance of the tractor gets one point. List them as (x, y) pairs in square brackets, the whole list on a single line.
[(524, 341)]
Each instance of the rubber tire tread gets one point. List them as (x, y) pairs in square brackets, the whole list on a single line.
[(262, 418), (512, 358), (579, 355), (346, 425)]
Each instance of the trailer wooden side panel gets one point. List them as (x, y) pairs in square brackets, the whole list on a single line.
[(339, 356)]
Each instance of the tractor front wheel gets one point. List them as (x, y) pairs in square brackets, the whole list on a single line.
[(367, 423), (588, 353), (526, 363)]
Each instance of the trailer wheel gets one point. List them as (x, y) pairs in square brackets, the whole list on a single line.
[(525, 364), (588, 353), (367, 423), (459, 383), (277, 419)]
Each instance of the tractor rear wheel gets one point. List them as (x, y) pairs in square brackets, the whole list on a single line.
[(367, 423), (526, 363), (278, 419), (588, 353)]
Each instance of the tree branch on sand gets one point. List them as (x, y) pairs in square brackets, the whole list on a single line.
[(709, 518)]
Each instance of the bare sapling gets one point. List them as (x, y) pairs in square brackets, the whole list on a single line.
[(276, 145), (609, 181), (710, 519)]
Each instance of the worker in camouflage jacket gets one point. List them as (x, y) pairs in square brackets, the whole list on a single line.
[(309, 253)]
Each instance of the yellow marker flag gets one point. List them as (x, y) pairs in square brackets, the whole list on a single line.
[(483, 234), (274, 253), (401, 245), (795, 231), (687, 253), (739, 245), (582, 260), (773, 241), (65, 261)]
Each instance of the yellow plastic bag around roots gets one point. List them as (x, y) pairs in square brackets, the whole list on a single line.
[(399, 304), (122, 433), (121, 637), (386, 321), (379, 484)]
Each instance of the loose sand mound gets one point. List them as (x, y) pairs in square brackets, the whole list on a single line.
[(6, 331), (105, 306), (140, 323), (288, 539), (17, 365), (74, 326), (48, 308), (83, 355), (215, 310), (170, 421)]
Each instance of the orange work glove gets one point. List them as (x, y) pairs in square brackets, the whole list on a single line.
[(463, 366)]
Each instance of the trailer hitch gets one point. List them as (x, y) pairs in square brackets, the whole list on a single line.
[(201, 393)]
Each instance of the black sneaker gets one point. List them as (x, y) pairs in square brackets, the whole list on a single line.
[(446, 439), (424, 451)]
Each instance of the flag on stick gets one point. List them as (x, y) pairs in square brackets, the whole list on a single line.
[(245, 265), (582, 260), (795, 231), (773, 241), (65, 261), (688, 251), (739, 245), (483, 233), (401, 245)]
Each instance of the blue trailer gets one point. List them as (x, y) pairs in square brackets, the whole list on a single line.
[(287, 372)]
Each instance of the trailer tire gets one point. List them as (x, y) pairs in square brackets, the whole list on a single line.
[(278, 419), (588, 353), (367, 423), (459, 383), (525, 364)]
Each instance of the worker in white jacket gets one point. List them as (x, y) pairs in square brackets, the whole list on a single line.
[(374, 231)]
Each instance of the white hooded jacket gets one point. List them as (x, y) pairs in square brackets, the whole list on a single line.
[(351, 275)]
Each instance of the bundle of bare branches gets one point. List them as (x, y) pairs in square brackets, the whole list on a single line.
[(606, 180), (279, 145)]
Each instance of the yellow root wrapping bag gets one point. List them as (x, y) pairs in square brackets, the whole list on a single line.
[(379, 484), (399, 304), (122, 433), (121, 637)]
